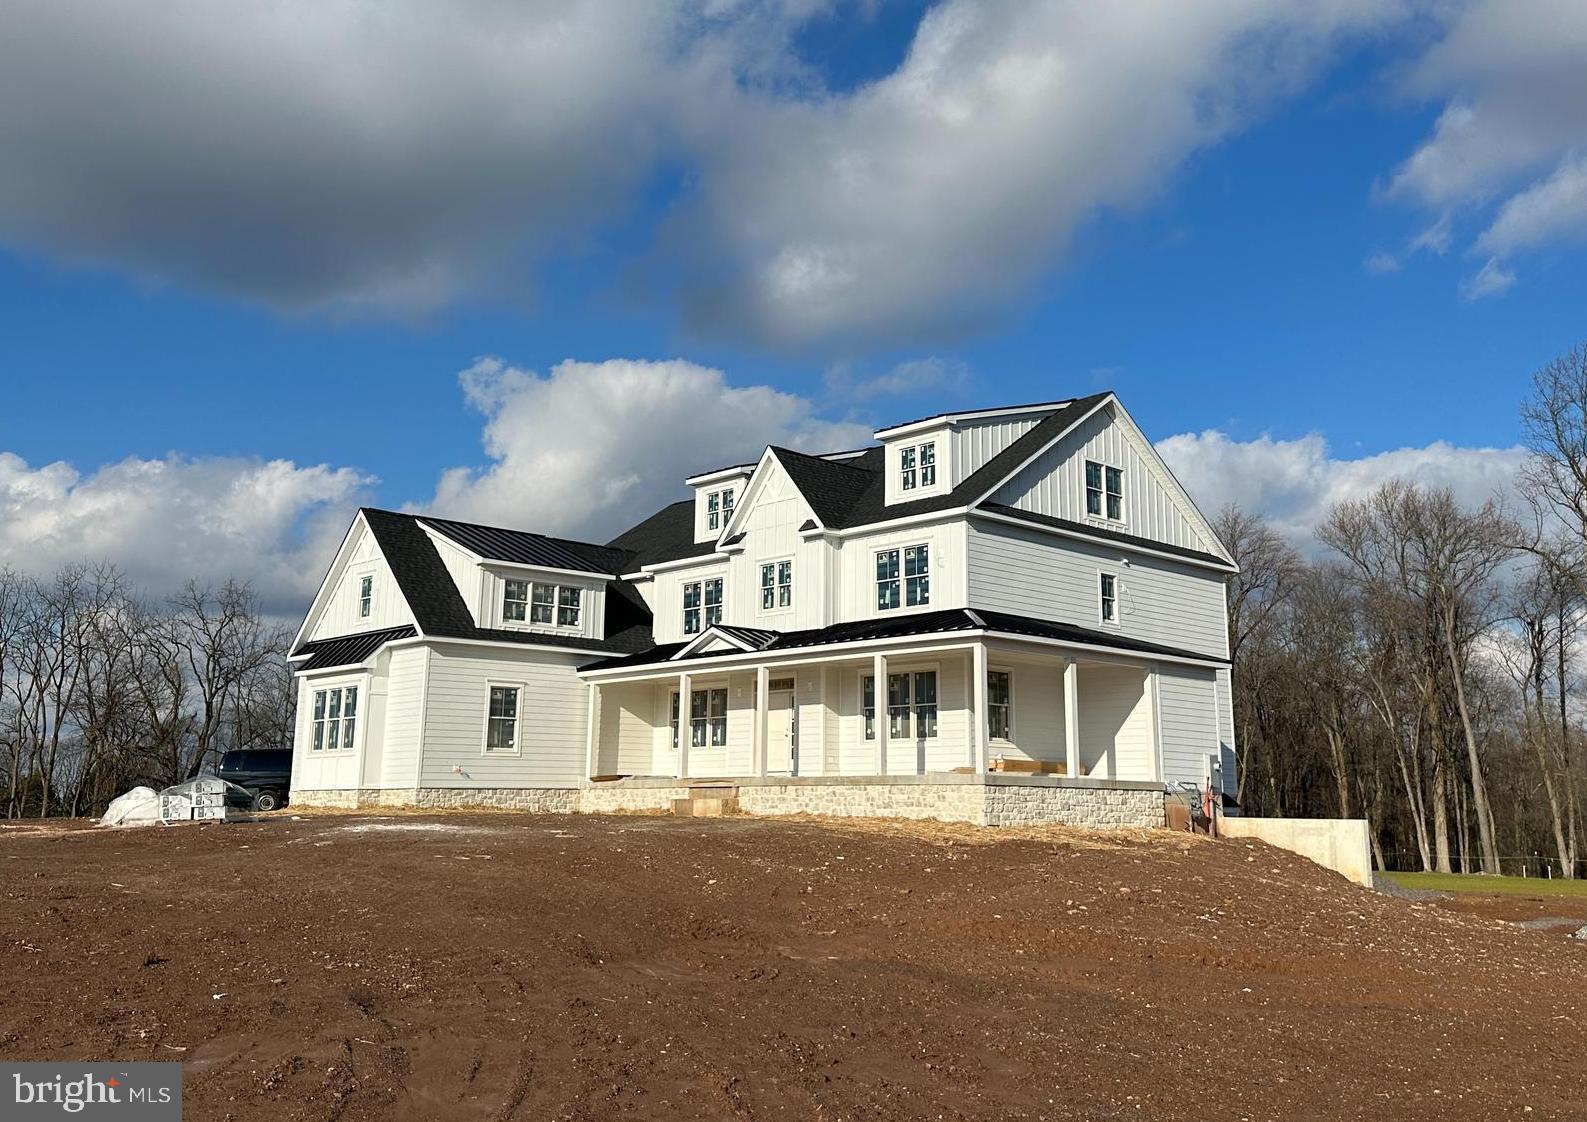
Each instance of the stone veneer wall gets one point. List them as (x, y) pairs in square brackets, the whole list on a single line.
[(952, 800)]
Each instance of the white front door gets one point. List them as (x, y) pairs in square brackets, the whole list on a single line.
[(781, 728)]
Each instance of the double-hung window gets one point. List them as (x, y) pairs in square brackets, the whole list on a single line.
[(1104, 491), (917, 463), (366, 596), (999, 704), (911, 705), (719, 508), (514, 600), (1108, 591), (335, 718), (702, 605), (544, 604), (707, 719), (501, 720), (903, 576), (776, 585)]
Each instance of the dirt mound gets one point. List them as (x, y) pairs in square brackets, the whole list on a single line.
[(500, 966)]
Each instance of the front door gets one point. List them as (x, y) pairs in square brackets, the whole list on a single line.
[(781, 732)]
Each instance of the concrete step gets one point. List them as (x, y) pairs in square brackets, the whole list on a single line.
[(715, 801)]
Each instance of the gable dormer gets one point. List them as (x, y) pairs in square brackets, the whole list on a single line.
[(716, 495), (930, 457), (359, 592)]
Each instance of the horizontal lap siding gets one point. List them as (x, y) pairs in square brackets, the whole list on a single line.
[(1049, 577), (552, 715), (1038, 732), (404, 698), (1188, 704), (1115, 722)]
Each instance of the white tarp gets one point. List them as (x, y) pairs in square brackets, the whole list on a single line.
[(138, 807)]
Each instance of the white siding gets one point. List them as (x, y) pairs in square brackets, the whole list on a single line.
[(1115, 710), (465, 572), (342, 769), (1037, 690), (336, 611), (943, 445), (1054, 484), (552, 713), (404, 714), (1231, 762), (973, 443), (493, 587), (702, 523), (1050, 577), (1189, 713), (856, 569), (628, 715)]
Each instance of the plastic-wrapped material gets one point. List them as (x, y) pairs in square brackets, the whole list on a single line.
[(138, 807), (203, 798)]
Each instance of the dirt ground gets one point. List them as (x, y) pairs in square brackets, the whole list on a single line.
[(511, 966)]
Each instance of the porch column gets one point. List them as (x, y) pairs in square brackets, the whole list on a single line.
[(978, 714), (1072, 718), (762, 704), (592, 734), (879, 695), (685, 730)]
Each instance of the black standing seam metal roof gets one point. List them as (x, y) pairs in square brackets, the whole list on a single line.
[(943, 621), (521, 547), (349, 650)]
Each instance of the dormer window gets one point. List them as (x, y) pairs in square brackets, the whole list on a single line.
[(515, 600), (718, 508), (543, 605), (917, 465), (1104, 491), (366, 596)]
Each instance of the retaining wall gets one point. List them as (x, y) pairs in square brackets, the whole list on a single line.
[(1340, 844)]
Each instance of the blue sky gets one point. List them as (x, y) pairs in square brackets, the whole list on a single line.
[(1252, 274)]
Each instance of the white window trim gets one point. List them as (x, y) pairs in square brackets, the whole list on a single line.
[(775, 609), (528, 623), (369, 575), (917, 469), (1009, 670), (484, 729), (881, 702), (705, 625), (1118, 600), (359, 722), (1102, 518), (684, 720), (724, 509), (903, 587)]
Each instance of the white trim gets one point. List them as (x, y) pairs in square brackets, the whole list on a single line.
[(1102, 517), (721, 474), (1097, 539), (505, 644), (1117, 622), (903, 605), (900, 665), (683, 608), (991, 669), (1036, 455), (359, 681), (517, 720), (974, 415), (951, 640), (1133, 431), (775, 609), (712, 632), (647, 572)]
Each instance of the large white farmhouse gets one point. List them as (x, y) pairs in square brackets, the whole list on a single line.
[(1005, 615)]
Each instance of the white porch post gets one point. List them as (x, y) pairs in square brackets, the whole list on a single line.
[(1157, 723), (978, 716), (879, 695), (1072, 718), (592, 734), (762, 704), (685, 730)]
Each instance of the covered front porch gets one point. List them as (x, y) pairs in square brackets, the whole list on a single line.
[(972, 707)]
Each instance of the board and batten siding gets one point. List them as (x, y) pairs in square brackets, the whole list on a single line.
[(464, 570), (552, 711), (973, 443), (404, 715), (1188, 709), (337, 611), (1055, 484), (1030, 573)]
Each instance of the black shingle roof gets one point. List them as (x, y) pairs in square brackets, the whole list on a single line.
[(945, 621), (349, 650), (495, 543), (1102, 532), (666, 535)]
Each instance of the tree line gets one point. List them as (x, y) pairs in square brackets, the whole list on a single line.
[(102, 688), (1423, 671)]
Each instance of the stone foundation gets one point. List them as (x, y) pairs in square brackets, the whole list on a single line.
[(994, 800)]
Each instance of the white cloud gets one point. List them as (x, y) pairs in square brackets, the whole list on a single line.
[(314, 153), (1381, 263), (1295, 482), (1490, 280), (593, 447), (1513, 77), (161, 521), (932, 198), (844, 381)]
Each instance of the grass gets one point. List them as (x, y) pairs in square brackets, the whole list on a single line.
[(1476, 885)]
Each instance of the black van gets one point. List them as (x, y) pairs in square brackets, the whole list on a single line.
[(265, 772)]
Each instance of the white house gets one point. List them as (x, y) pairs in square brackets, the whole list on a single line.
[(1011, 614)]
